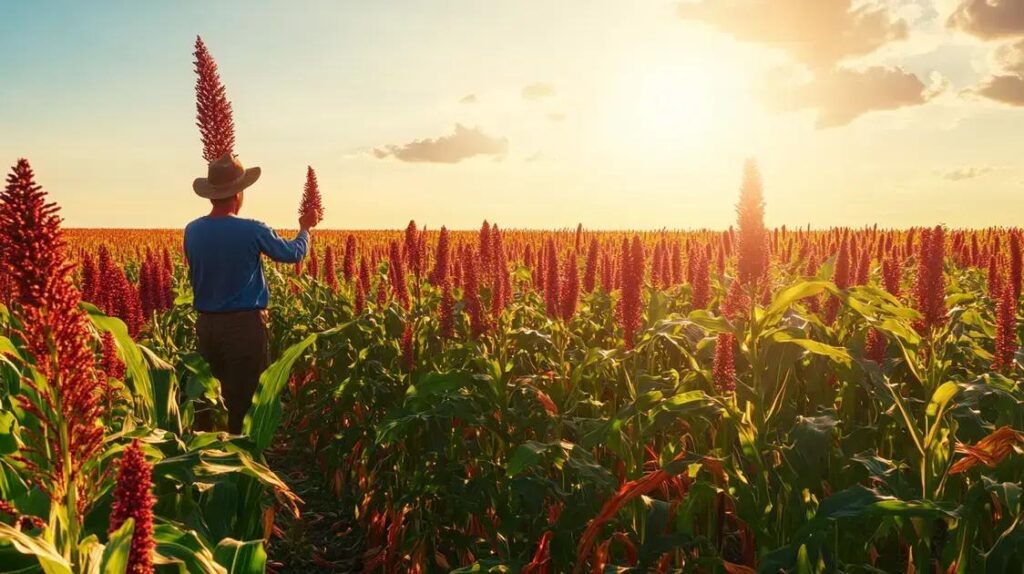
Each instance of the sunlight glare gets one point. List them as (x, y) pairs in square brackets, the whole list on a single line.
[(666, 108)]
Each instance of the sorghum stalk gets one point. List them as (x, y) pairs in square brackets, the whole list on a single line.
[(630, 311), (213, 110), (752, 264), (311, 202), (1006, 331), (67, 401), (133, 499)]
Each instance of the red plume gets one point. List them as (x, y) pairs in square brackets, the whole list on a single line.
[(213, 110)]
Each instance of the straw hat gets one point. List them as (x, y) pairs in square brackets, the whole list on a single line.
[(225, 177)]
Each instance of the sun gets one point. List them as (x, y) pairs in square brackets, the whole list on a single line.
[(666, 107)]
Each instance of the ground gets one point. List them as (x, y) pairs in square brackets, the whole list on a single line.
[(326, 537)]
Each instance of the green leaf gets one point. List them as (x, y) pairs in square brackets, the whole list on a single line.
[(8, 432), (525, 455), (7, 347), (709, 322), (241, 557), (220, 504), (115, 555), (791, 295), (803, 561), (185, 549), (809, 452), (184, 297), (685, 398), (835, 353), (135, 362), (432, 384), (165, 393), (265, 413), (941, 398), (49, 559), (90, 555), (912, 509)]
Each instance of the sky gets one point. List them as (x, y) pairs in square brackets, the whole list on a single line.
[(528, 113)]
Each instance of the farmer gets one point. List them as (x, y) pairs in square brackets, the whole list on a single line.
[(228, 287)]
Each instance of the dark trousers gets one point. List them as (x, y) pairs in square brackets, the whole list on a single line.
[(236, 348)]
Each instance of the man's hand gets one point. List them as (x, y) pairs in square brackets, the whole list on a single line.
[(308, 221)]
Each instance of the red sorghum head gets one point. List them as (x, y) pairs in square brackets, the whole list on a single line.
[(56, 333), (311, 202), (1006, 331), (133, 499), (723, 369), (930, 285), (213, 110), (570, 289), (752, 264), (630, 309)]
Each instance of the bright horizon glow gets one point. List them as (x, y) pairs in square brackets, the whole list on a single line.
[(614, 116)]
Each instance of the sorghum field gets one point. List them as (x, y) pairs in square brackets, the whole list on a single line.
[(747, 400)]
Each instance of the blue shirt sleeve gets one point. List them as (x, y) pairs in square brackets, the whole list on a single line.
[(281, 250)]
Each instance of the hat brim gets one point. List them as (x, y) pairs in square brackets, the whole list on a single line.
[(205, 189)]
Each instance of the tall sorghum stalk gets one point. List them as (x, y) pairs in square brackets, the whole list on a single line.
[(1015, 264), (630, 305), (994, 279), (66, 401), (133, 499), (892, 273), (313, 264), (348, 264), (412, 249), (723, 369), (311, 203), (471, 296), (408, 351), (446, 310), (213, 110), (752, 262), (502, 279), (700, 284), (590, 272), (89, 278), (484, 246), (841, 278), (396, 274), (1006, 331), (570, 289), (552, 290), (930, 285), (330, 272), (440, 273)]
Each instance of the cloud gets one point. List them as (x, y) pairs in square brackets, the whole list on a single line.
[(469, 99), (538, 90), (1005, 89), (1006, 84), (842, 95), (817, 33), (989, 18), (1010, 57), (464, 143), (969, 172)]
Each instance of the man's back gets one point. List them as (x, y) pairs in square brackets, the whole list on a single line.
[(224, 261)]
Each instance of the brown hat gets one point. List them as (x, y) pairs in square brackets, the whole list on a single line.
[(225, 177)]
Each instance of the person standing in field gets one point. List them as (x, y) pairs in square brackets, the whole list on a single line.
[(224, 254)]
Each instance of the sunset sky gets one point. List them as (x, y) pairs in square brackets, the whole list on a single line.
[(529, 113)]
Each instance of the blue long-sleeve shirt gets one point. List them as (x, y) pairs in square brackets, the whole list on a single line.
[(225, 265)]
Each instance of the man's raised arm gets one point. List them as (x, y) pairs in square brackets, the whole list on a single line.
[(282, 250)]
